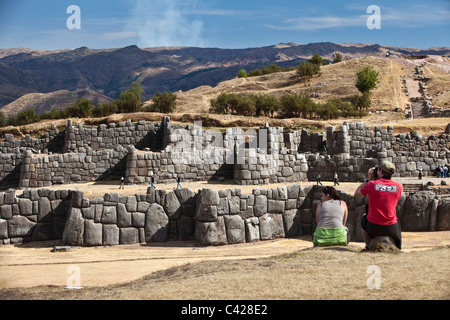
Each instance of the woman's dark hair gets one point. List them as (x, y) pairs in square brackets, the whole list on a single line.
[(332, 192)]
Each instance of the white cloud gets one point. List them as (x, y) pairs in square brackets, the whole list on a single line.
[(163, 23), (413, 16)]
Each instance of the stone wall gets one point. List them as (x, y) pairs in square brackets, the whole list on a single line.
[(166, 151), (209, 217)]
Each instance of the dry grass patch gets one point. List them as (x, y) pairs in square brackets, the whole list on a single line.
[(317, 273)]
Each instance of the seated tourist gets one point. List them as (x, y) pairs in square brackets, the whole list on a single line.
[(331, 216)]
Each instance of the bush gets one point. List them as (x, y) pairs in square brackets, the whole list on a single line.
[(242, 73), (165, 102), (308, 69), (130, 100), (266, 105)]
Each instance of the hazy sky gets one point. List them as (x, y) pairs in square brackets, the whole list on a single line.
[(43, 24)]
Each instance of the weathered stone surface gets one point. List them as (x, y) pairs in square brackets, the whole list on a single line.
[(275, 206), (271, 226), (235, 228), (252, 229), (210, 197), (382, 244), (110, 235), (109, 215), (3, 229), (156, 224), (417, 211), (26, 207), (211, 233), (137, 219), (45, 210), (206, 213), (74, 230), (123, 216), (260, 207), (93, 233), (185, 196), (172, 206), (129, 236), (292, 224), (42, 232), (443, 215), (185, 228)]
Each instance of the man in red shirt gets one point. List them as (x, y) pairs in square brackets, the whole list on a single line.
[(384, 193)]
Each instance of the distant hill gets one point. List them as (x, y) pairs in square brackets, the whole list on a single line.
[(107, 72)]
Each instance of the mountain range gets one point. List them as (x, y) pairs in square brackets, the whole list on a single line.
[(55, 79)]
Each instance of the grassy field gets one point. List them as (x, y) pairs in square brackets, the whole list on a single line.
[(333, 273)]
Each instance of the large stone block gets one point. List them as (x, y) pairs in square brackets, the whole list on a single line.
[(417, 212), (156, 224), (271, 226), (260, 207), (123, 216), (129, 236), (235, 228), (172, 206), (25, 207), (110, 234), (210, 197), (276, 206), (443, 215), (211, 233), (93, 233), (252, 229), (74, 230), (109, 215), (206, 213)]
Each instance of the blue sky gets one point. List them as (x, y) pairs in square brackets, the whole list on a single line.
[(42, 24)]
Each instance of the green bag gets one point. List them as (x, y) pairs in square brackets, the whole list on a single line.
[(330, 237)]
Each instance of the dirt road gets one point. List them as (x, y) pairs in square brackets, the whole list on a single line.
[(35, 264)]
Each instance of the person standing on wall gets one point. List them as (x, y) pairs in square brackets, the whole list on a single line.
[(122, 183), (384, 194)]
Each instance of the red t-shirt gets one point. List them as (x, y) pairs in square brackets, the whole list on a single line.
[(383, 197)]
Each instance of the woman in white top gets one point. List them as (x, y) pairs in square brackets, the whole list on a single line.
[(331, 217)]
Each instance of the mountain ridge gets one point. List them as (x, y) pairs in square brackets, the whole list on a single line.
[(107, 72)]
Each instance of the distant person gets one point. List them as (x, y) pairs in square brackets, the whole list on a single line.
[(441, 171), (420, 173), (122, 183), (179, 182), (336, 178), (445, 171), (153, 183), (383, 193), (331, 217), (318, 180)]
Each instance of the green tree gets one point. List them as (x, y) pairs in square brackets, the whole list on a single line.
[(366, 79), (316, 59), (2, 120), (266, 105), (242, 73), (308, 69), (130, 100), (296, 106), (361, 103), (165, 102), (337, 57)]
